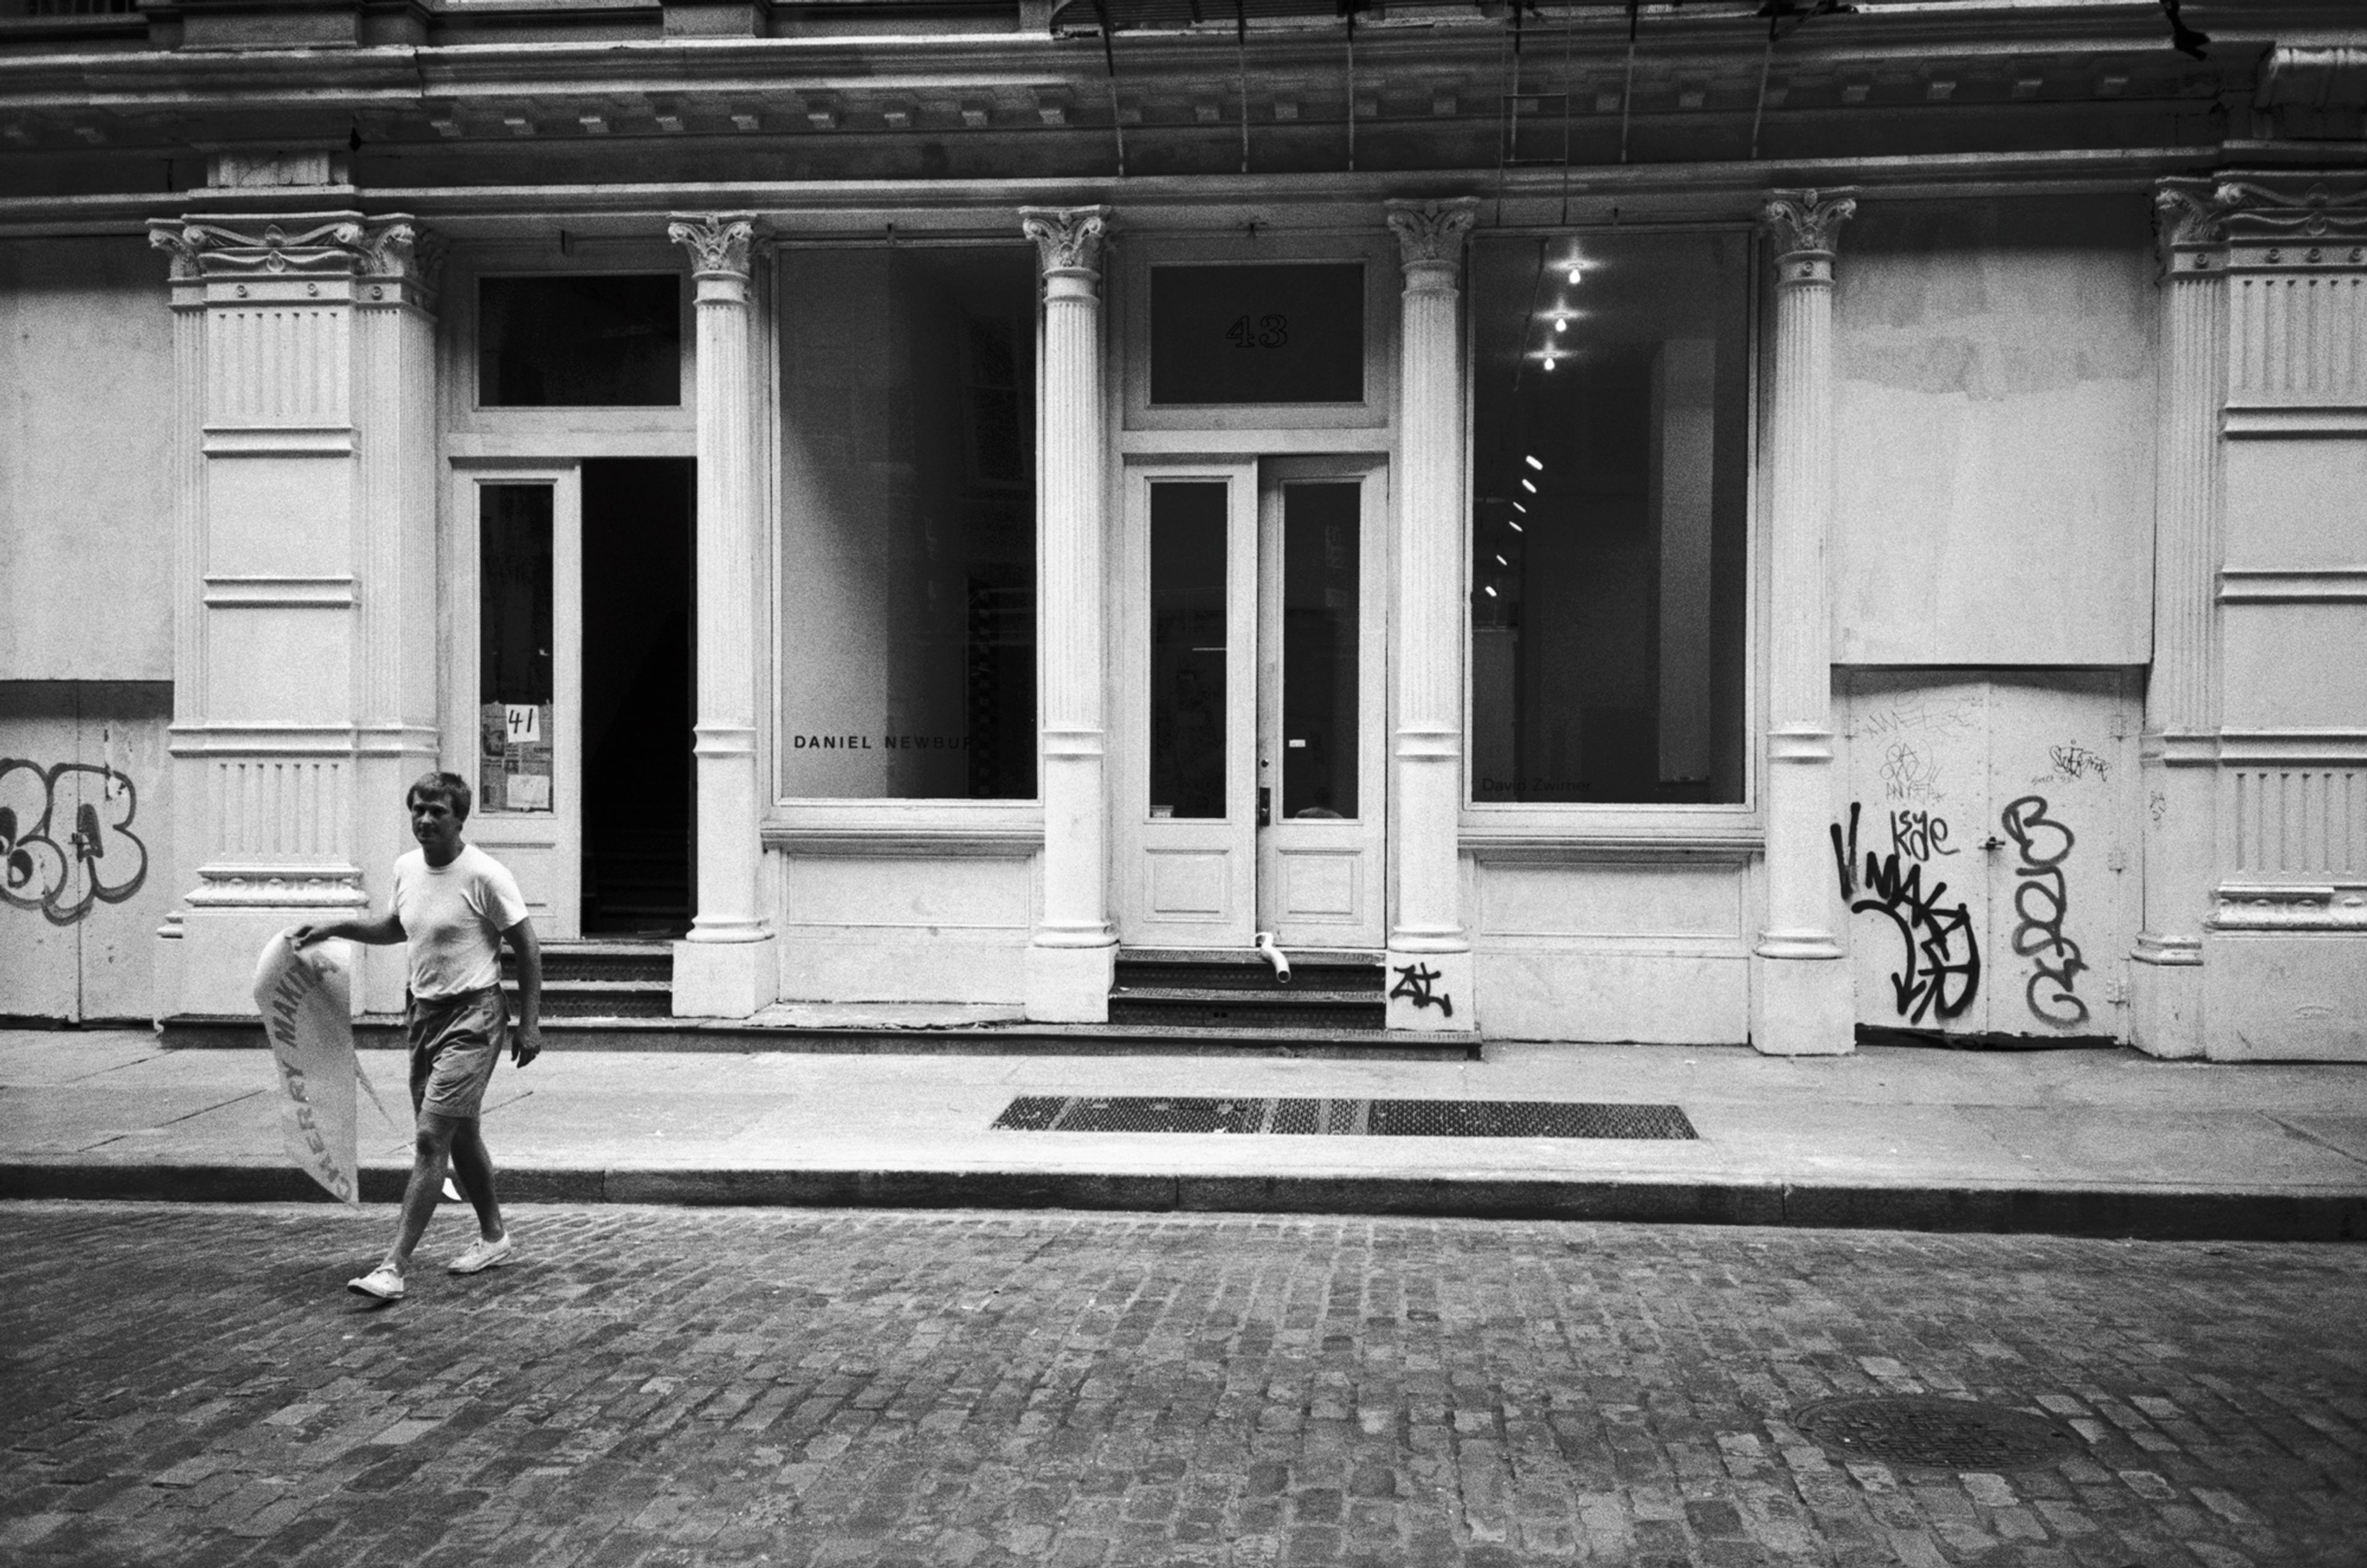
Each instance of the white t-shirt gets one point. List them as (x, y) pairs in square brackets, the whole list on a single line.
[(453, 917)]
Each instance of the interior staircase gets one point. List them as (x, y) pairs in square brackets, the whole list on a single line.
[(1237, 988), (607, 978)]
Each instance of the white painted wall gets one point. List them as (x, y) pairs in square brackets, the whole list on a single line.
[(1995, 419), (85, 415), (861, 928), (1611, 949)]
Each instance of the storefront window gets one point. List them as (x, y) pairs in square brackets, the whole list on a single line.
[(908, 523), (1608, 516)]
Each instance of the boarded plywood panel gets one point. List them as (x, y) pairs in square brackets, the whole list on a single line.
[(1987, 852), (1995, 412), (84, 846)]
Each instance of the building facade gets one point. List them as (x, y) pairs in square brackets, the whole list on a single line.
[(1673, 524)]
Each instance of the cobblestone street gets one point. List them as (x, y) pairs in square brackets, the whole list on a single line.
[(193, 1385)]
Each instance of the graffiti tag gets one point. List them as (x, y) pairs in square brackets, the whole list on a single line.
[(1941, 970), (1907, 775), (1919, 835), (2075, 763), (100, 860), (1414, 981), (2040, 902)]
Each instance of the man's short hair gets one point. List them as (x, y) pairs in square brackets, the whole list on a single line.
[(449, 788)]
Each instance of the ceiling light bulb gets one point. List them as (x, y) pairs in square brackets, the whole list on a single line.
[(1492, 593), (1527, 486), (1534, 464), (1516, 527), (1574, 273), (1518, 507), (1561, 323), (1549, 361), (1501, 561)]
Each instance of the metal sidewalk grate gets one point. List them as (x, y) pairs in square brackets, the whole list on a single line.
[(1341, 1118)]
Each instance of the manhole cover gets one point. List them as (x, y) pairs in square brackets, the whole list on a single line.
[(1948, 1434)]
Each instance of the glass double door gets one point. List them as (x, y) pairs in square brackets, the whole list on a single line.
[(571, 692), (1253, 704)]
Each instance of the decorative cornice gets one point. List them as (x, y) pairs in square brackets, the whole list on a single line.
[(1432, 233), (718, 242), (1068, 239), (2331, 208), (331, 244)]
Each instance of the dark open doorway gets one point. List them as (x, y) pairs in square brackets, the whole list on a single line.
[(638, 700)]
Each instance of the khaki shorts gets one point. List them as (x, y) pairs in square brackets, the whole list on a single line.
[(455, 1040)]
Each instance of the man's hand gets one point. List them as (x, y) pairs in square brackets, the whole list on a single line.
[(525, 1042), (303, 937)]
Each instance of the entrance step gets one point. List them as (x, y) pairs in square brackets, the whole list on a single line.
[(601, 979), (1234, 988)]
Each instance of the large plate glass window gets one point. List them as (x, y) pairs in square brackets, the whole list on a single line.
[(1609, 472), (908, 523)]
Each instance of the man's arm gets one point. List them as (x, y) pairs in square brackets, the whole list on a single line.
[(528, 1043), (378, 933)]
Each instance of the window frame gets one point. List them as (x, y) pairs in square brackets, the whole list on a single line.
[(1724, 831)]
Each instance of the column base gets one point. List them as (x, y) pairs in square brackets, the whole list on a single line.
[(2284, 996), (217, 953), (1432, 992), (1069, 985), (2166, 997), (1802, 1006), (725, 979)]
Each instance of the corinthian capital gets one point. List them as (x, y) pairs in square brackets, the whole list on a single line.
[(1431, 233), (1068, 239), (718, 242), (173, 236), (1806, 221)]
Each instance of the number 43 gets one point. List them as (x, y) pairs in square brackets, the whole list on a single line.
[(1270, 331)]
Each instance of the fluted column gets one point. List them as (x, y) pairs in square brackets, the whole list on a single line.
[(1071, 956), (1430, 971), (188, 297), (394, 395), (2178, 749), (1801, 1003), (728, 966)]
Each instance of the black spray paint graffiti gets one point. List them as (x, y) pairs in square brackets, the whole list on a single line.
[(100, 860), (1413, 984), (2040, 902), (1941, 971), (1919, 835)]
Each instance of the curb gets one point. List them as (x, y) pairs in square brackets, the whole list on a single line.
[(2151, 1213)]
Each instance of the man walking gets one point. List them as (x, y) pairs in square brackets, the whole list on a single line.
[(455, 904)]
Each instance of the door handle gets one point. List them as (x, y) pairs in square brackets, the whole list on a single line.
[(1265, 805)]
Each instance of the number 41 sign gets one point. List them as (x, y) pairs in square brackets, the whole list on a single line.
[(521, 723)]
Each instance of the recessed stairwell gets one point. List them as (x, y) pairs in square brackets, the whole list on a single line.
[(1237, 988), (600, 979)]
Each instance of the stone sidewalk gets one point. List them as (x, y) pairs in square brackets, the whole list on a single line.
[(2079, 1142), (191, 1387)]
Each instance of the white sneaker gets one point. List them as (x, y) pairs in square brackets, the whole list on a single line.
[(384, 1283), (483, 1255)]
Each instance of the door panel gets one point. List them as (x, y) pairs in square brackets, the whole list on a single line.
[(1185, 827), (1980, 852), (1322, 701), (517, 697), (1249, 756)]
